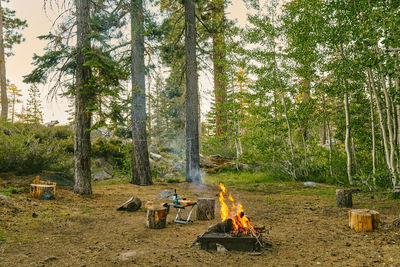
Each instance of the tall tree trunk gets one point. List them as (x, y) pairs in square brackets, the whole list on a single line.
[(4, 99), (388, 119), (347, 141), (84, 97), (381, 123), (371, 106), (353, 152), (289, 134), (219, 62), (192, 97), (141, 174)]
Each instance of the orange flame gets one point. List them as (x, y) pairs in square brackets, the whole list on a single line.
[(241, 222)]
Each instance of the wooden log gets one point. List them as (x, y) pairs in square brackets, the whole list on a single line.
[(43, 191), (222, 227), (205, 209), (344, 198), (156, 217), (132, 204), (364, 220)]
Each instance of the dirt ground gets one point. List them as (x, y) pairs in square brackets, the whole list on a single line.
[(304, 227)]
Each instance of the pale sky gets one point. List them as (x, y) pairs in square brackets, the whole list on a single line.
[(39, 23)]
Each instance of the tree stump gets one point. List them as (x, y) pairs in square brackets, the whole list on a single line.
[(205, 209), (344, 198), (364, 220), (396, 192), (156, 217)]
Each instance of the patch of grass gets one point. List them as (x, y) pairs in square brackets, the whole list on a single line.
[(175, 180), (11, 190), (2, 237), (118, 180), (87, 210), (234, 178), (268, 183)]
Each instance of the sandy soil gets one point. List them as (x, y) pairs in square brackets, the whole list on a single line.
[(304, 229)]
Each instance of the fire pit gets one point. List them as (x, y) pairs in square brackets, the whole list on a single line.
[(235, 231)]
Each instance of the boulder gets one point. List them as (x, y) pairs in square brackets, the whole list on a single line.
[(60, 178), (178, 167), (156, 156), (166, 194), (101, 175)]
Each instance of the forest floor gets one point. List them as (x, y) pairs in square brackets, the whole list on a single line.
[(303, 224)]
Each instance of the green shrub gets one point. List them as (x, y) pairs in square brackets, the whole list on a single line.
[(27, 148)]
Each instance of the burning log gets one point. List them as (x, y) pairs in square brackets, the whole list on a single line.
[(156, 217), (222, 227), (205, 209)]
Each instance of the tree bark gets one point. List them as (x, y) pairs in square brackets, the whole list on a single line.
[(156, 217), (219, 62), (344, 198), (371, 106), (347, 141), (192, 98), (205, 209), (4, 99), (84, 97), (381, 123), (141, 174)]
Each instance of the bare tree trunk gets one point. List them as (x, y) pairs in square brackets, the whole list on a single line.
[(381, 123), (304, 142), (353, 151), (371, 106), (219, 62), (347, 141), (140, 156), (84, 97), (388, 120), (192, 97), (4, 99)]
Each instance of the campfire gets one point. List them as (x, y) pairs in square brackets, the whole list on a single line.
[(235, 231), (235, 218)]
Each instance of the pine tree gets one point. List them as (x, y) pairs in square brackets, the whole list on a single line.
[(9, 35), (14, 99), (34, 112)]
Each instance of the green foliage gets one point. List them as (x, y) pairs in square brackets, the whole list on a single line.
[(28, 149), (114, 151), (11, 190), (11, 29)]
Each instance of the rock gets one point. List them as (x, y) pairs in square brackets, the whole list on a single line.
[(156, 156), (221, 248), (310, 184), (51, 123), (178, 167), (103, 164), (127, 255), (101, 175), (61, 178), (169, 175), (166, 194), (5, 198)]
